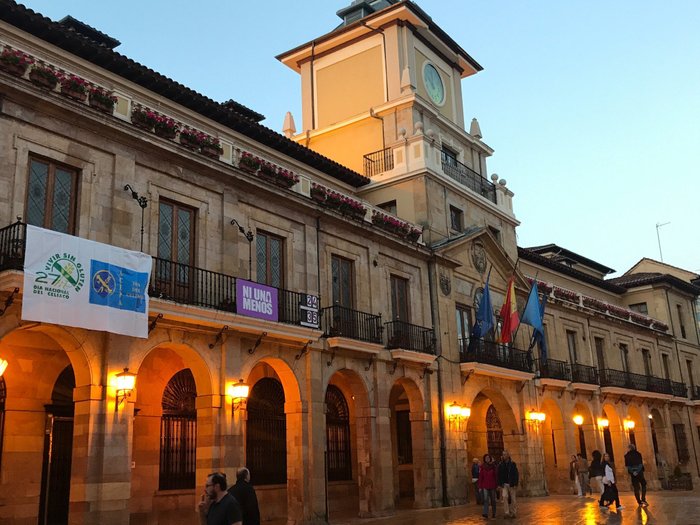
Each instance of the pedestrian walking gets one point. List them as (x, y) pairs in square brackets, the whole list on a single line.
[(488, 481), (635, 467), (218, 507), (573, 475), (244, 493), (596, 471), (476, 465), (508, 481), (610, 493), (582, 473)]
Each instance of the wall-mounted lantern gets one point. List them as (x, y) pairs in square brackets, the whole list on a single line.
[(3, 366), (125, 383), (238, 392)]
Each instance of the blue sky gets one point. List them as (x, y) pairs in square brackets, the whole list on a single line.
[(592, 107)]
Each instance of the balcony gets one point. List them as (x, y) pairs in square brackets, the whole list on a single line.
[(584, 374), (339, 321), (401, 335), (468, 177), (679, 389), (629, 380), (500, 355), (181, 283), (12, 239), (695, 393), (553, 369), (378, 162)]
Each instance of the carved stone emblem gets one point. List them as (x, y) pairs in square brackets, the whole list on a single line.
[(445, 285), (479, 256)]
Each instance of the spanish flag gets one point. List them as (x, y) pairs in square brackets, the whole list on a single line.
[(509, 314)]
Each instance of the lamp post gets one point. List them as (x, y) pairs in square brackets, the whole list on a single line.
[(249, 237), (142, 201)]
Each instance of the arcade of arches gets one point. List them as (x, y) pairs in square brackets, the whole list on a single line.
[(352, 445)]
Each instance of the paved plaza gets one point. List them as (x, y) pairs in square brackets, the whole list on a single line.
[(677, 508)]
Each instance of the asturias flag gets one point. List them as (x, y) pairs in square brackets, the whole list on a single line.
[(509, 314)]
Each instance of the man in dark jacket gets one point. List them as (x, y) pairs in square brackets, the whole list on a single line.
[(244, 493), (635, 466), (508, 481)]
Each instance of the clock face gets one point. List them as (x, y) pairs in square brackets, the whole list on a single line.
[(433, 84)]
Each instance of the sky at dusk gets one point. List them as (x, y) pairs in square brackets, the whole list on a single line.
[(592, 107)]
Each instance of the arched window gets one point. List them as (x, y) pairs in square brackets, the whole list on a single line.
[(266, 433), (494, 433), (3, 396), (178, 433), (337, 435)]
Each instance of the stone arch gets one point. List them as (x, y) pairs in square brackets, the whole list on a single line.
[(681, 438), (155, 366), (411, 444), (554, 447), (37, 356), (477, 431), (583, 437), (284, 499), (642, 438), (355, 494), (614, 440)]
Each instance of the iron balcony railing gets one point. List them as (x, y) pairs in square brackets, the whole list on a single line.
[(695, 393), (679, 389), (339, 321), (12, 244), (584, 374), (378, 162), (407, 336), (622, 379), (553, 369), (198, 287), (492, 353), (468, 177)]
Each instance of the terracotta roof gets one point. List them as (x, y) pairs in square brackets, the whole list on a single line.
[(534, 257), (646, 278), (230, 114)]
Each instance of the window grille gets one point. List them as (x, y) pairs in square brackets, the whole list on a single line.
[(266, 433), (178, 433), (338, 435)]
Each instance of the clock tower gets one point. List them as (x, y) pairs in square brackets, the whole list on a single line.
[(381, 94)]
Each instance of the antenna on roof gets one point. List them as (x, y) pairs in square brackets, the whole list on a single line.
[(658, 238)]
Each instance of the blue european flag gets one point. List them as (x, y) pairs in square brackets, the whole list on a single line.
[(117, 287)]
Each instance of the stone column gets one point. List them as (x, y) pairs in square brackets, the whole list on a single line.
[(101, 463), (375, 476)]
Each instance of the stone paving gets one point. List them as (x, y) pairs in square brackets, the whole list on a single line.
[(676, 508)]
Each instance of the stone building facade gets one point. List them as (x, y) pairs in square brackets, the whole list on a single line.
[(377, 268)]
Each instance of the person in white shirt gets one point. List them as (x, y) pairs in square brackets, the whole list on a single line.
[(610, 493)]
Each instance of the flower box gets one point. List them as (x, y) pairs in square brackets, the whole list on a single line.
[(566, 295), (189, 142), (279, 176), (391, 224), (102, 100), (619, 312), (641, 319), (143, 118), (165, 127), (44, 76), (318, 193), (211, 151), (414, 234), (14, 62), (658, 325), (344, 204), (595, 304), (249, 162), (74, 87)]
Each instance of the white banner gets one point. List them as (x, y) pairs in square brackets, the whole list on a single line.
[(76, 282)]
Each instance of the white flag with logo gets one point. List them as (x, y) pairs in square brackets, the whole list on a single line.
[(77, 282)]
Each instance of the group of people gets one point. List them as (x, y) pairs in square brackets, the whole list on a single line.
[(602, 471), (492, 480), (237, 505)]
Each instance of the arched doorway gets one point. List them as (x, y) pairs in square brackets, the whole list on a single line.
[(680, 438), (338, 446), (178, 433), (554, 448), (607, 438), (266, 433), (494, 434), (58, 452)]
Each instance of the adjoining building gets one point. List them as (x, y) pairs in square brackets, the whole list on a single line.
[(311, 295)]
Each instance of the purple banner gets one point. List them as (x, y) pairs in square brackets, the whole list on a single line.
[(256, 300)]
